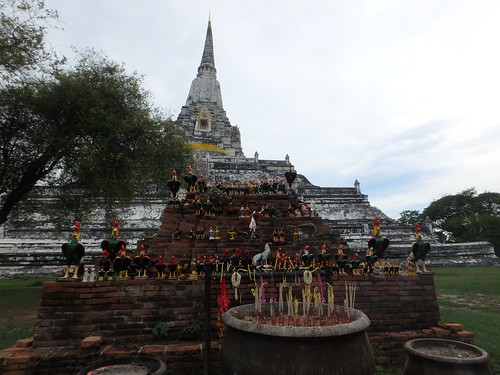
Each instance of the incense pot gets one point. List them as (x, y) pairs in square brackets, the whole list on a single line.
[(250, 347)]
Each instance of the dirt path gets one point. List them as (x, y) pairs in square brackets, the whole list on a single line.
[(471, 301)]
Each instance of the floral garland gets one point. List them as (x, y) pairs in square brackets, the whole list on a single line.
[(222, 306)]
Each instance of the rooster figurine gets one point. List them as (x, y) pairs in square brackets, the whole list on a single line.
[(420, 250), (341, 259), (191, 180), (290, 176), (122, 263), (307, 259), (160, 266), (142, 262), (113, 244), (378, 243), (73, 252), (174, 185), (323, 257)]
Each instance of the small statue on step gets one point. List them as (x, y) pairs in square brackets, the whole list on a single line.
[(261, 258), (142, 262), (323, 256), (177, 234), (378, 243), (282, 235), (122, 263), (208, 207), (191, 180), (341, 259), (113, 244), (197, 205), (231, 234), (419, 251), (276, 235), (174, 185), (290, 177), (307, 259), (354, 267), (173, 268), (253, 224), (202, 185), (105, 266), (160, 267), (73, 252)]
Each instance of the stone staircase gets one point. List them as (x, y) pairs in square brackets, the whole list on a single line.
[(315, 230)]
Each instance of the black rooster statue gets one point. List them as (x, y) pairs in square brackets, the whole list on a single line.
[(142, 262), (378, 243), (323, 257), (420, 250), (174, 185), (191, 180), (73, 252), (290, 176), (113, 244)]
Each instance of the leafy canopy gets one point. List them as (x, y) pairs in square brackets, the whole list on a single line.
[(89, 130)]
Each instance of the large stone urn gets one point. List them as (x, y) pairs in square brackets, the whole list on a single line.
[(444, 357), (252, 348)]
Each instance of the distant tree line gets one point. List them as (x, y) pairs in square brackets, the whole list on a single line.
[(463, 217)]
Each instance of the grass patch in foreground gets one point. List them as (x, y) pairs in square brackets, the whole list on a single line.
[(19, 303), (471, 296)]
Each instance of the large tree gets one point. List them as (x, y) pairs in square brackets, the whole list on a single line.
[(90, 130)]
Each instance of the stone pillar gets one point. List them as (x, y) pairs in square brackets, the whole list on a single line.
[(357, 186)]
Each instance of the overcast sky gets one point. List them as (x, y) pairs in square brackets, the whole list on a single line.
[(403, 96)]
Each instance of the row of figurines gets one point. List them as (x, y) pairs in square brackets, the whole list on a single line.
[(143, 266), (264, 186), (198, 233)]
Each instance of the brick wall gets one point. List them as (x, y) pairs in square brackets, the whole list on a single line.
[(123, 313), (127, 311)]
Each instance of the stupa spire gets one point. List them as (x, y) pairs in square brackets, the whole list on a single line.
[(203, 116), (207, 60)]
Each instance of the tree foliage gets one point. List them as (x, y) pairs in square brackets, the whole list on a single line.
[(23, 48), (89, 131), (410, 217), (467, 216)]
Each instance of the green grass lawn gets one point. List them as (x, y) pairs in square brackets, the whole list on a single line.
[(466, 295), (19, 300), (471, 296)]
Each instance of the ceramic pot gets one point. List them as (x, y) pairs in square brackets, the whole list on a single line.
[(444, 357)]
